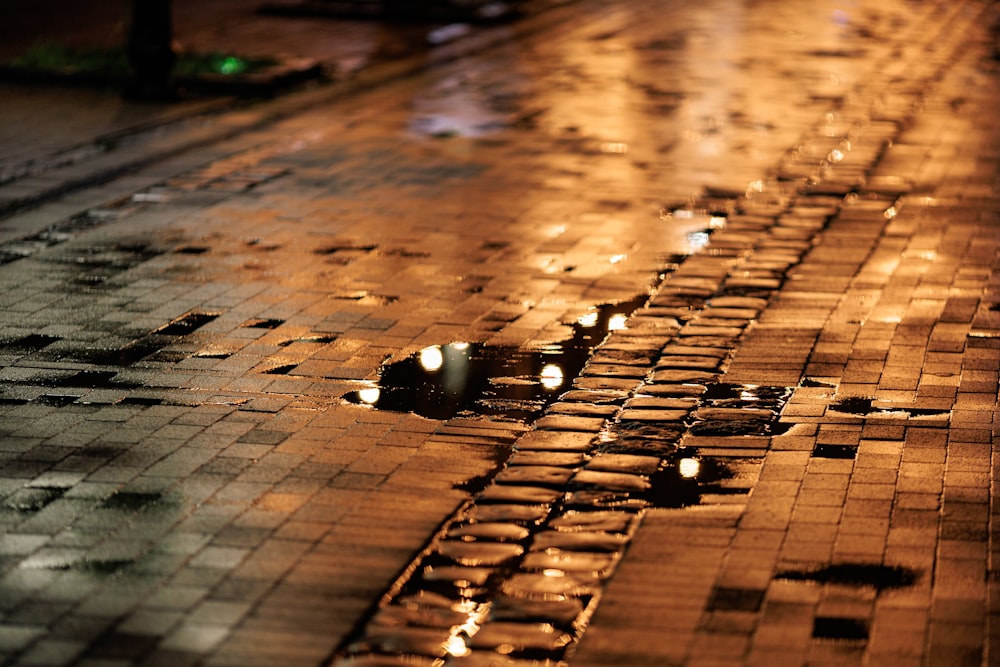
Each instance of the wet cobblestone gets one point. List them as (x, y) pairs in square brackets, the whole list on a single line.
[(182, 483)]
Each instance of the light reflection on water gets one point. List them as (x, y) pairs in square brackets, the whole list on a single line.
[(442, 381)]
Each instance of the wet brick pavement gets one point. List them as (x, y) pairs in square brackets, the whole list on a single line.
[(785, 458)]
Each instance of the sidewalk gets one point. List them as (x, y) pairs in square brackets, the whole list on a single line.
[(784, 457)]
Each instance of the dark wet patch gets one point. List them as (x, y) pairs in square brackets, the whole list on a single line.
[(282, 370), (130, 501), (683, 480), (407, 254), (57, 400), (859, 405), (122, 356), (736, 599), (836, 53), (827, 451), (29, 343), (879, 577), (726, 428), (90, 379), (443, 381), (186, 323), (810, 382), (100, 567), (13, 401), (192, 250), (268, 323), (746, 410), (475, 485), (834, 627), (335, 248), (33, 498)]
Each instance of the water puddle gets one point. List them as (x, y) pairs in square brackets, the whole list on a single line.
[(444, 381), (859, 405), (685, 479), (879, 577)]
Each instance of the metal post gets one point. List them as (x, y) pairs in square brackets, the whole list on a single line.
[(150, 50)]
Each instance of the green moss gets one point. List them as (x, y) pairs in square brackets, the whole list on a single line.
[(114, 61)]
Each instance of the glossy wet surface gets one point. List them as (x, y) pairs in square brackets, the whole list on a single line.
[(183, 481)]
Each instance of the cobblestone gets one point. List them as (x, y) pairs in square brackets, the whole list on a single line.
[(182, 482)]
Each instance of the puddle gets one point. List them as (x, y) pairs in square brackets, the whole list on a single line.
[(735, 410), (129, 501), (879, 577), (29, 343), (187, 323), (835, 627), (685, 479), (443, 381), (859, 405)]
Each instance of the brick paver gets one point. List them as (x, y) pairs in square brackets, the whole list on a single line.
[(182, 482)]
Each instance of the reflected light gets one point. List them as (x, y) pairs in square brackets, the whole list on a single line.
[(431, 358), (891, 213), (697, 241), (588, 320), (459, 346), (370, 395), (689, 468), (552, 376), (616, 259), (552, 572), (456, 646), (614, 147), (617, 322), (716, 222)]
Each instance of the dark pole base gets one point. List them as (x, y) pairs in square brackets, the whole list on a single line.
[(150, 51)]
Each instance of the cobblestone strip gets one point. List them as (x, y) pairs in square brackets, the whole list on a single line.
[(515, 576)]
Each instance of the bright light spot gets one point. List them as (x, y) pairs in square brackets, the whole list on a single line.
[(697, 241), (557, 230), (615, 148), (684, 213), (505, 649), (552, 572), (459, 346), (890, 213), (616, 259), (431, 358), (552, 376), (457, 647), (689, 468), (370, 395), (755, 186), (231, 65), (716, 222), (588, 320), (929, 255), (617, 322), (836, 155)]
